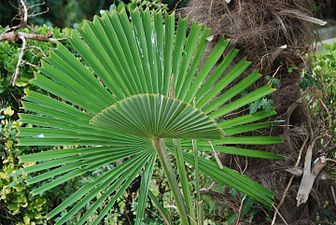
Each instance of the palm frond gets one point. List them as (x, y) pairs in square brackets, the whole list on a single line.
[(140, 79), (151, 116)]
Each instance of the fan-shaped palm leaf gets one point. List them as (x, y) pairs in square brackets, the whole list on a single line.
[(141, 85)]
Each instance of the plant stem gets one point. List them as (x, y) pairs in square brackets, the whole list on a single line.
[(184, 179), (162, 211), (197, 184), (169, 172)]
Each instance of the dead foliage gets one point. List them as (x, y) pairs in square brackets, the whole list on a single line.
[(259, 27)]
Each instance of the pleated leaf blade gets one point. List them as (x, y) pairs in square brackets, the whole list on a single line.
[(151, 116)]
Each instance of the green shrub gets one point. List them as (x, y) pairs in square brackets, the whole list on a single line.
[(319, 84), (320, 81), (14, 193)]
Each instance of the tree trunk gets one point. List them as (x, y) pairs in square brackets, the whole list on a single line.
[(274, 35)]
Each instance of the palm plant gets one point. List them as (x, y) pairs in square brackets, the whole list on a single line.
[(140, 95)]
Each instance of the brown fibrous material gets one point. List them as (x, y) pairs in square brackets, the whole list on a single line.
[(259, 27), (275, 35)]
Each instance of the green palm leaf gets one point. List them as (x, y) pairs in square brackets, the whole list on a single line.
[(141, 83), (151, 116)]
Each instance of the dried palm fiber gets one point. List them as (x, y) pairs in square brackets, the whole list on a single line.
[(258, 27), (274, 35)]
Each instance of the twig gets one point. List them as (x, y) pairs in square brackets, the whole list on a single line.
[(240, 210), (47, 38), (246, 165), (210, 8), (300, 153), (22, 52), (331, 160), (238, 164), (234, 113), (219, 163), (28, 63), (333, 193), (275, 73), (265, 66), (177, 5), (23, 37), (283, 219), (282, 200), (11, 35), (328, 113), (14, 36), (207, 189), (33, 47), (39, 13), (192, 219), (36, 5), (23, 12)]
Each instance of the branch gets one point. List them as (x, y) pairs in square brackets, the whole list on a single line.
[(40, 13), (14, 36), (23, 12), (41, 37), (331, 160), (333, 193), (11, 35), (240, 210), (36, 5), (22, 52), (289, 182)]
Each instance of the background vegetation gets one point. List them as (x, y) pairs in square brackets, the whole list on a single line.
[(66, 13), (18, 206)]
